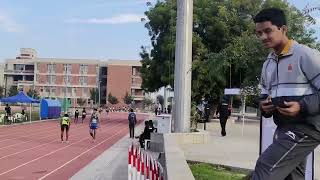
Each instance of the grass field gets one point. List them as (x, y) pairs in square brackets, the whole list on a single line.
[(204, 171)]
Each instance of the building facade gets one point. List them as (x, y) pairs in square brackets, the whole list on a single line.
[(124, 77), (72, 78)]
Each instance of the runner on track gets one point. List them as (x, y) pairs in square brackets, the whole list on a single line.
[(94, 123), (65, 125)]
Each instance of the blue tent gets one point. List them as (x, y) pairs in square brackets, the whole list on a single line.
[(50, 109), (20, 97)]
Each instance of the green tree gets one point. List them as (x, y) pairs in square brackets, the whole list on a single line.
[(81, 101), (33, 93), (160, 99), (13, 91), (1, 92), (112, 99), (147, 102), (127, 99), (94, 95), (225, 50)]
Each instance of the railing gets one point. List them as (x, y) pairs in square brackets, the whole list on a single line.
[(142, 166), (138, 97), (19, 71), (23, 82), (136, 85)]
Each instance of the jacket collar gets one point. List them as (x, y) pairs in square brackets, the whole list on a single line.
[(287, 50)]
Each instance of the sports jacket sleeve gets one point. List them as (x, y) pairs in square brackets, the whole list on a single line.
[(310, 66), (264, 90)]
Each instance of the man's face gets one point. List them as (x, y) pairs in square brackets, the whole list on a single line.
[(270, 35)]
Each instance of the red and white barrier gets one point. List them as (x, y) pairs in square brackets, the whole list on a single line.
[(141, 165), (129, 163)]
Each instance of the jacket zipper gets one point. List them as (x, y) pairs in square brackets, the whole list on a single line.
[(277, 77)]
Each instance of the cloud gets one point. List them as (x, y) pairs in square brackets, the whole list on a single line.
[(317, 21), (9, 25), (119, 19), (317, 24)]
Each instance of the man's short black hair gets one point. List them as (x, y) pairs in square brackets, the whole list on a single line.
[(275, 15), (131, 110)]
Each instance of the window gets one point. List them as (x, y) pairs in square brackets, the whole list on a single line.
[(74, 91), (64, 90), (48, 79), (53, 91), (132, 92), (51, 79), (133, 81), (133, 71), (85, 91), (18, 67), (83, 80), (51, 68), (83, 69), (67, 68), (137, 71), (17, 78), (67, 79)]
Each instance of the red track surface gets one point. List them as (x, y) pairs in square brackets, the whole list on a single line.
[(34, 151)]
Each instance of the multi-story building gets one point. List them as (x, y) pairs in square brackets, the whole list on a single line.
[(124, 77), (52, 77), (73, 78), (20, 71), (70, 78), (2, 66)]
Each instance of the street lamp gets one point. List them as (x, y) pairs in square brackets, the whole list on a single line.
[(99, 92)]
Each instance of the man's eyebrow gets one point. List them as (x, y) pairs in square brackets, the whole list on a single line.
[(263, 29)]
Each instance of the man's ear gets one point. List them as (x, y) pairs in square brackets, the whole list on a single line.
[(284, 29)]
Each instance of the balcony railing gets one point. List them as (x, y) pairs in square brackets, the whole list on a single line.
[(23, 82), (18, 71), (136, 85), (138, 97)]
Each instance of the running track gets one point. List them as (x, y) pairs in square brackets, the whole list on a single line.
[(34, 151)]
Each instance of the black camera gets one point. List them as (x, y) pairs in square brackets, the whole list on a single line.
[(279, 102)]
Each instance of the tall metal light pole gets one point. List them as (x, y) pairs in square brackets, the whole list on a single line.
[(183, 63), (99, 91), (65, 95)]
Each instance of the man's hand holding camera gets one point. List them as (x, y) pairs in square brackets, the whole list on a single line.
[(285, 108)]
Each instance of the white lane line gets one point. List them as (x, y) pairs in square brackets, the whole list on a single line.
[(125, 128), (44, 156)]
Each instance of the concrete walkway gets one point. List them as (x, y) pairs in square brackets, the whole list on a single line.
[(234, 149), (112, 164)]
